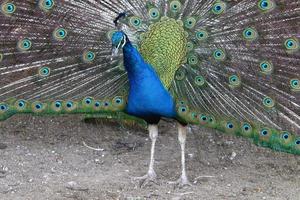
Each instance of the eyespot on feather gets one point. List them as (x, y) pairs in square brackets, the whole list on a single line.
[(8, 8), (46, 5)]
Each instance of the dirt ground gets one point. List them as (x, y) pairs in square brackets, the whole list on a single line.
[(44, 158)]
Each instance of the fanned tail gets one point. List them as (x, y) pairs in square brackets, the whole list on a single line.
[(242, 74)]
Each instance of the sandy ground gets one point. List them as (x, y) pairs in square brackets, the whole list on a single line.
[(44, 158)]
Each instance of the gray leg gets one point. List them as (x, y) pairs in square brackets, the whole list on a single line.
[(151, 175), (182, 132)]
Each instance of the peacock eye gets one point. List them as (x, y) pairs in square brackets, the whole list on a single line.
[(264, 132), (297, 142), (24, 45), (201, 35), (203, 118), (247, 127), (190, 22), (268, 102), (183, 109), (219, 7), (136, 22), (291, 44), (88, 56), (190, 46), (219, 55), (180, 74), (200, 81), (69, 104), (154, 13), (285, 135), (44, 71), (97, 104), (60, 34), (46, 5), (88, 101), (8, 8), (21, 104), (175, 6), (266, 67), (229, 125), (118, 101), (250, 34), (295, 84), (49, 3), (58, 104), (3, 107), (234, 81), (266, 5), (38, 106), (193, 59)]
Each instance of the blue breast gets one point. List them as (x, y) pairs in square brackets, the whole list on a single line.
[(147, 95)]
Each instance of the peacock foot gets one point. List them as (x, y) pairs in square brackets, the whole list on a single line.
[(181, 182), (150, 177)]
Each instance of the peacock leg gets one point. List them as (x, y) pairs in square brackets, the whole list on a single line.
[(151, 175), (183, 180)]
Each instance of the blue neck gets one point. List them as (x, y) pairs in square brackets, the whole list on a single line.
[(147, 97), (133, 61)]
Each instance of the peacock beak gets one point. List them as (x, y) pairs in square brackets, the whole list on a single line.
[(115, 49)]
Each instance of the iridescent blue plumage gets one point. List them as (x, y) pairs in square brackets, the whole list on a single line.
[(148, 98)]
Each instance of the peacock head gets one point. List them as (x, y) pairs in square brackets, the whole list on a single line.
[(119, 40)]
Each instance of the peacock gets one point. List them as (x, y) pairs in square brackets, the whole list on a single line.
[(228, 65)]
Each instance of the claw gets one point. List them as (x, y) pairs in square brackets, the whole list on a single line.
[(181, 182), (150, 177)]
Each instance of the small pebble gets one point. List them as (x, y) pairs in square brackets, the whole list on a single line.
[(72, 185), (233, 155)]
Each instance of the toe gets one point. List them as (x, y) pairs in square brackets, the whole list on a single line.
[(181, 182), (149, 178)]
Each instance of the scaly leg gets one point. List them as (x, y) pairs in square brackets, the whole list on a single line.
[(182, 132), (151, 175)]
